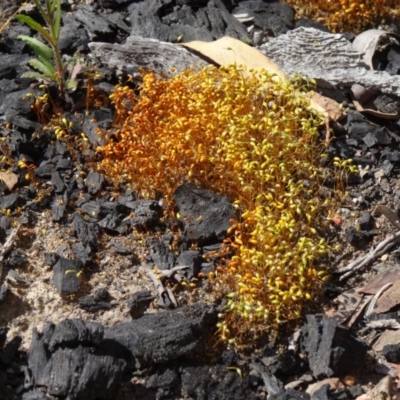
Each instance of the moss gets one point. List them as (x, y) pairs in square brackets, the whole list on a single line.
[(252, 139), (349, 15)]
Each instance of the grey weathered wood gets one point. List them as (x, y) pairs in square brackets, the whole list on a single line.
[(149, 54), (328, 58)]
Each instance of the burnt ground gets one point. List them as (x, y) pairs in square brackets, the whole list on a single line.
[(74, 283)]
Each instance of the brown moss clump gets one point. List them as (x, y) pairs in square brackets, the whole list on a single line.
[(253, 139), (349, 15)]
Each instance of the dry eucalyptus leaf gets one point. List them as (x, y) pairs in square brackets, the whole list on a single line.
[(331, 106), (390, 275), (9, 178), (227, 51), (389, 299)]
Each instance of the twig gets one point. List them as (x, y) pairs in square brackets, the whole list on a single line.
[(7, 246), (375, 298), (157, 280), (380, 249)]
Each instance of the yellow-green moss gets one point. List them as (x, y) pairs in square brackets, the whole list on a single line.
[(252, 139)]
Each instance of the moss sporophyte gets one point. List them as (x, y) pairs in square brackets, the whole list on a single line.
[(253, 139)]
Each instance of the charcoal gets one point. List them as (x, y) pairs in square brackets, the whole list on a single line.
[(338, 394), (9, 201), (391, 352), (84, 231), (206, 215), (343, 150), (309, 23), (116, 20), (112, 207), (51, 259), (9, 63), (82, 252), (3, 335), (89, 303), (330, 347), (45, 170), (120, 249), (73, 37), (366, 221), (96, 26), (63, 163), (5, 222), (16, 259), (94, 182), (91, 208), (3, 292), (57, 182), (213, 21), (59, 205), (322, 393), (147, 214), (9, 351), (111, 223), (272, 385), (71, 332), (65, 275), (290, 394), (274, 17), (392, 155), (61, 350), (165, 380), (284, 364), (14, 104), (160, 254), (355, 391), (193, 260), (355, 237), (202, 382), (61, 149), (24, 123), (370, 139), (139, 302), (166, 336), (386, 104), (112, 4)]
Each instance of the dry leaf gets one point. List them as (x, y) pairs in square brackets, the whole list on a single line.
[(9, 178), (227, 51), (389, 299), (331, 106), (390, 275)]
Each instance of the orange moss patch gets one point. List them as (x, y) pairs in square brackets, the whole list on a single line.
[(253, 139), (349, 15)]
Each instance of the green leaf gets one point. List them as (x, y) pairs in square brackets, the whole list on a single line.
[(37, 27), (38, 47), (43, 68), (71, 85), (36, 75)]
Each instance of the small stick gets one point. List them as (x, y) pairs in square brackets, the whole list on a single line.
[(168, 273), (380, 249), (371, 306), (7, 246)]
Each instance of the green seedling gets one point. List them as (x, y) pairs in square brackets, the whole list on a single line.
[(49, 65)]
